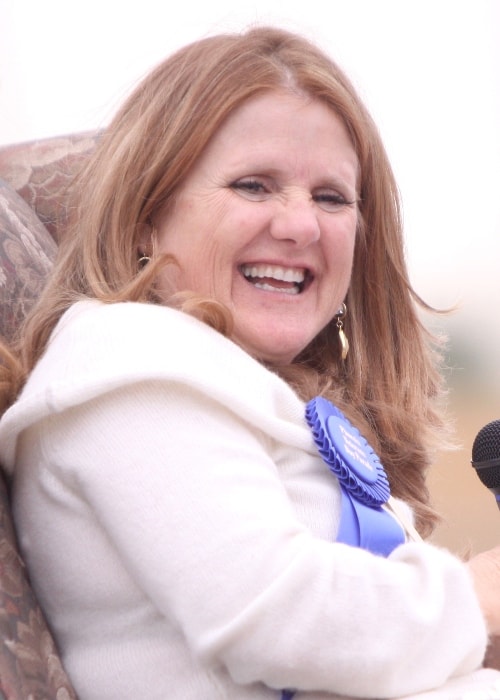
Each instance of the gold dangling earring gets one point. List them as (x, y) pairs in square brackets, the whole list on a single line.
[(344, 343)]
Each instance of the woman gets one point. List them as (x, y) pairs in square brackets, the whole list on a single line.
[(237, 228)]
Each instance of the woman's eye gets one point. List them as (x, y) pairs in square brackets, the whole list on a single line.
[(332, 201), (251, 187)]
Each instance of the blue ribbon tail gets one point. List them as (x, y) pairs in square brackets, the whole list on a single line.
[(368, 527)]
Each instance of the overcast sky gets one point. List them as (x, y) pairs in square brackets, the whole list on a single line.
[(429, 71)]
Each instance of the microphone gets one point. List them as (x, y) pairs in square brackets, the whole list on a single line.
[(486, 457)]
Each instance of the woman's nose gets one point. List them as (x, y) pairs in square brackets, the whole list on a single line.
[(296, 221)]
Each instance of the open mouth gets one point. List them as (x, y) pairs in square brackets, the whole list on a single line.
[(275, 278)]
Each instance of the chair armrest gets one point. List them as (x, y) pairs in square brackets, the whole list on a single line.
[(30, 666)]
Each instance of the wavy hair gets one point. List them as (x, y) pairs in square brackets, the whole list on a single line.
[(389, 385)]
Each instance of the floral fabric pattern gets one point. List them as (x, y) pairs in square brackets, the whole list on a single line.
[(30, 668), (41, 172), (26, 254), (34, 181)]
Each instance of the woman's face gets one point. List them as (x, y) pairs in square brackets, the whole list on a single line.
[(266, 222)]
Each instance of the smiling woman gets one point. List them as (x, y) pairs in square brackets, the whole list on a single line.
[(266, 224), (198, 517)]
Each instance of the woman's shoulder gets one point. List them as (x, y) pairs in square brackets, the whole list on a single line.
[(132, 319), (97, 348), (96, 342), (133, 329), (144, 339)]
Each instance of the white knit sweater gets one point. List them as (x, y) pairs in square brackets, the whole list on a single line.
[(179, 528)]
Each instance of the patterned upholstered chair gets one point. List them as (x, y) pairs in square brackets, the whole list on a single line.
[(33, 179)]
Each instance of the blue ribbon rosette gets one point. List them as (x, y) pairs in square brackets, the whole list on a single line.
[(364, 522), (365, 488)]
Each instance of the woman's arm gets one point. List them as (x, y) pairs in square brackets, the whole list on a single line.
[(485, 570), (191, 497)]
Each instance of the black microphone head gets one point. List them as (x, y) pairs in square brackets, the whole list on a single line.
[(486, 454)]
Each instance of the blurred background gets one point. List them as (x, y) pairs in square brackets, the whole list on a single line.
[(429, 70)]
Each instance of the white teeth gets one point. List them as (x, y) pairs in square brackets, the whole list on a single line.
[(283, 274), (270, 288)]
